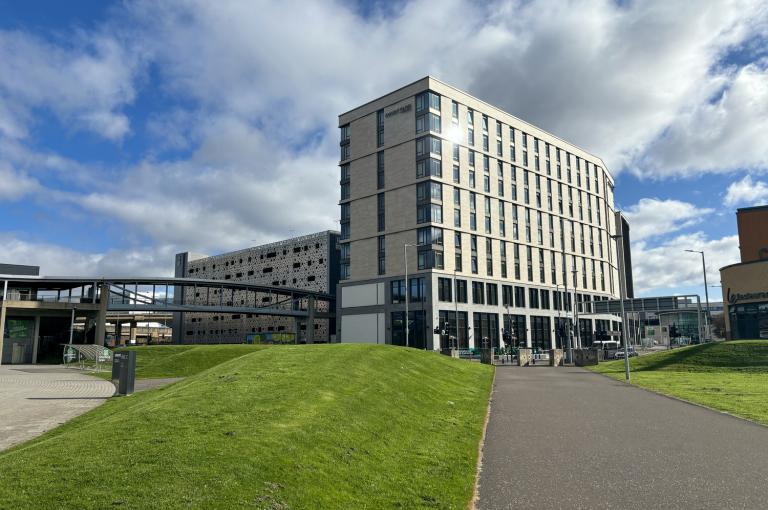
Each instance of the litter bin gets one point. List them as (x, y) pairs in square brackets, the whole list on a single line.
[(124, 371)]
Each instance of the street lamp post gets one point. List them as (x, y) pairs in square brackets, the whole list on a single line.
[(456, 310), (569, 333), (576, 309), (407, 292), (622, 292), (558, 329), (706, 292)]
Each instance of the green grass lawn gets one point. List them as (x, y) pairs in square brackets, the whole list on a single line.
[(311, 426), (155, 361), (729, 376)]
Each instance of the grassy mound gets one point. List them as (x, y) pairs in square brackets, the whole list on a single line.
[(155, 361), (729, 376), (317, 426)]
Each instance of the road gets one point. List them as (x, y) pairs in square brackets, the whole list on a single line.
[(568, 438), (37, 398)]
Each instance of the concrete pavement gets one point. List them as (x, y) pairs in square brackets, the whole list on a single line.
[(37, 398), (567, 438)]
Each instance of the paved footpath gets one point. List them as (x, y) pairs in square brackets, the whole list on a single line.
[(37, 398), (567, 438)]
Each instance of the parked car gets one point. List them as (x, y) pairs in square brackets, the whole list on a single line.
[(620, 353)]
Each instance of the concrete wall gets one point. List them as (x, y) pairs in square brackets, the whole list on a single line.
[(753, 234), (363, 328)]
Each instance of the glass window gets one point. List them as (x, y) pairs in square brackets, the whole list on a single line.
[(381, 211), (382, 255), (478, 293), (380, 128), (429, 235), (380, 170), (461, 291), (429, 212), (429, 167), (444, 287)]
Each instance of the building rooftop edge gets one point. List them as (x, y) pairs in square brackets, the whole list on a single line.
[(753, 208), (745, 263), (432, 78), (272, 244)]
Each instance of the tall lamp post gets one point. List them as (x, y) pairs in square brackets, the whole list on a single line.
[(456, 310), (622, 293), (576, 309), (407, 292), (566, 296), (706, 292)]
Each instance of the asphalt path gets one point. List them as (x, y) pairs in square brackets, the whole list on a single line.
[(568, 438)]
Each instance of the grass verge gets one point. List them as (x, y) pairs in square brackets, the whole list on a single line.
[(156, 361), (728, 376), (316, 426)]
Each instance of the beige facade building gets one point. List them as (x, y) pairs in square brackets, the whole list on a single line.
[(745, 285), (500, 222)]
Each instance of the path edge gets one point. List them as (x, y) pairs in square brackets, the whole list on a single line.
[(481, 446), (680, 399)]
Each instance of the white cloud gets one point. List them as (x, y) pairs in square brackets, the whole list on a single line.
[(259, 87), (85, 82), (237, 189), (669, 266), (652, 217), (746, 192), (15, 185), (55, 260), (724, 135), (609, 77)]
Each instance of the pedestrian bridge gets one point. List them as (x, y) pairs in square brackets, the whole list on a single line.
[(96, 297)]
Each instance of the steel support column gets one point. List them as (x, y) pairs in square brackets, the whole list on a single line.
[(2, 318)]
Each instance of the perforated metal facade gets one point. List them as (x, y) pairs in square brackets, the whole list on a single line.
[(309, 263)]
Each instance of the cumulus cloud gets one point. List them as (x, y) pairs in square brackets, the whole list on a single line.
[(652, 217), (718, 136), (669, 266), (55, 260), (247, 149), (746, 192), (15, 185), (85, 83)]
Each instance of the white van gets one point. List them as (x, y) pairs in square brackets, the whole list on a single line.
[(608, 345)]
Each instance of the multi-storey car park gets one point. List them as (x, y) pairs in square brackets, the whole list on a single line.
[(308, 262), (500, 223)]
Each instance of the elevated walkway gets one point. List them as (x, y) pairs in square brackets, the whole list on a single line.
[(95, 299)]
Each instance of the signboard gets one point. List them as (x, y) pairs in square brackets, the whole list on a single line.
[(747, 296), (402, 109), (20, 328), (270, 338)]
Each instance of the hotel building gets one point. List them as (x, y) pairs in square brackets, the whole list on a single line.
[(500, 223)]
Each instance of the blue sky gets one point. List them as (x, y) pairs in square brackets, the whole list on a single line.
[(130, 131)]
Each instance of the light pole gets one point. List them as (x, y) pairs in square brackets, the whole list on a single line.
[(569, 333), (558, 328), (456, 309), (706, 292), (576, 308), (407, 292), (622, 292)]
